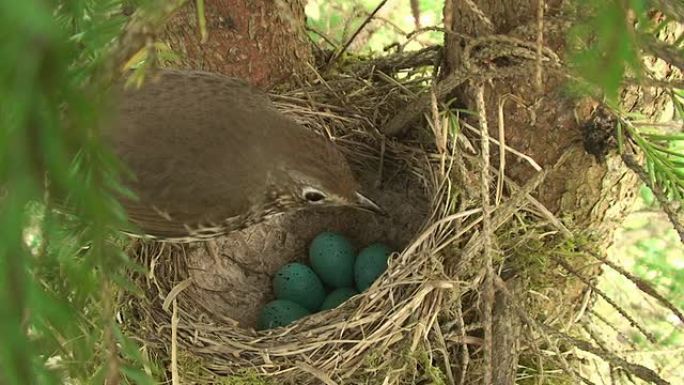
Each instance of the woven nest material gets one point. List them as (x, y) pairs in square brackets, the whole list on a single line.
[(201, 300)]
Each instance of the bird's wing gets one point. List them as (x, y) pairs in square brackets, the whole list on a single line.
[(153, 222), (194, 153)]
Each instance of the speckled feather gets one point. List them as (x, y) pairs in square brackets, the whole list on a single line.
[(208, 151)]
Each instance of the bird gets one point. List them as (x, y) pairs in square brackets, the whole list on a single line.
[(209, 154)]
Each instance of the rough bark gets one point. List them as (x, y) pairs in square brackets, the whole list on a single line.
[(507, 328), (586, 191), (262, 41)]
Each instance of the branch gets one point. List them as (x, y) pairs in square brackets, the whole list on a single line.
[(640, 371), (478, 68), (673, 8), (143, 26), (506, 332), (390, 64), (640, 283), (665, 203), (650, 337), (487, 234), (412, 110), (665, 52)]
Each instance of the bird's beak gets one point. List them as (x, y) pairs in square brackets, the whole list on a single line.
[(366, 204)]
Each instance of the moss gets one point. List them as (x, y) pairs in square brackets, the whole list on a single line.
[(402, 365), (374, 359), (529, 251), (192, 369), (245, 377), (435, 374)]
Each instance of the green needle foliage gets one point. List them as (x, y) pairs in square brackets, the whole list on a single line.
[(607, 50), (60, 274), (602, 48), (664, 158)]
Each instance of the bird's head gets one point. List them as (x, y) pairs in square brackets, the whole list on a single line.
[(319, 176), (309, 191)]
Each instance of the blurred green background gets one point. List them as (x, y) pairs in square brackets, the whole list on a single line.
[(647, 246), (338, 20)]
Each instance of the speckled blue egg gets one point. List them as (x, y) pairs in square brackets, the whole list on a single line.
[(280, 313), (370, 264), (296, 282), (332, 258), (337, 297)]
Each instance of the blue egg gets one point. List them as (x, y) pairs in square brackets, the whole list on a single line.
[(296, 282), (332, 258), (280, 313), (337, 297), (370, 264)]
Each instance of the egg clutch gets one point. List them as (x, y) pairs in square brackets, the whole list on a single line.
[(335, 275)]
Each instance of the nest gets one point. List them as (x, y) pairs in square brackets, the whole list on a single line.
[(201, 300)]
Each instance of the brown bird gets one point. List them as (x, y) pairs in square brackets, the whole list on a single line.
[(211, 154)]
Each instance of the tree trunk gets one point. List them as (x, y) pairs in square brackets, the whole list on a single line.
[(261, 41), (587, 186), (588, 191)]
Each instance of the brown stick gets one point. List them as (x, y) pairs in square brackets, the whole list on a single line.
[(641, 284), (412, 110), (507, 329), (487, 234), (607, 298)]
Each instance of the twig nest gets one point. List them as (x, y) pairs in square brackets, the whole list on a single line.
[(221, 286), (202, 301)]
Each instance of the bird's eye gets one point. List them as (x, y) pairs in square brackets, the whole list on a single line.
[(313, 196)]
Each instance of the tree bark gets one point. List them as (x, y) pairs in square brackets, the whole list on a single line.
[(261, 41), (587, 191)]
